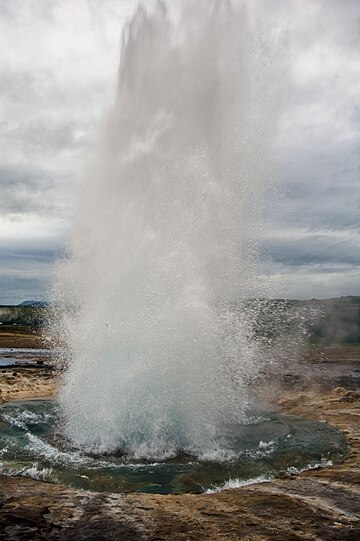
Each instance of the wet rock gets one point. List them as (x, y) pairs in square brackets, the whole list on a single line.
[(293, 510)]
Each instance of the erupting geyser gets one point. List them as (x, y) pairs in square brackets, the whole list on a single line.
[(163, 356), (165, 239)]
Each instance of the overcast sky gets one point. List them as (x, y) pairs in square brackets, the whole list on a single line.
[(58, 68)]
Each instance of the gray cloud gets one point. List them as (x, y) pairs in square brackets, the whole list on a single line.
[(314, 227), (320, 189), (24, 191), (325, 248), (58, 65), (25, 273), (57, 135), (15, 289)]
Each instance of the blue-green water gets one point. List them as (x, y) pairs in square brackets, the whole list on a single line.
[(270, 445)]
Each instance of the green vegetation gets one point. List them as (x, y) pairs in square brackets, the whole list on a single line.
[(26, 315)]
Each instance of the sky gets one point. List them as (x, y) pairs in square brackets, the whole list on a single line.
[(58, 73)]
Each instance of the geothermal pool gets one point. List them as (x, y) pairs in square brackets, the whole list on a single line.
[(269, 445)]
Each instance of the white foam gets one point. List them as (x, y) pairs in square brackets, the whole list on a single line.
[(292, 470), (237, 483), (33, 472), (38, 446), (21, 418), (266, 444)]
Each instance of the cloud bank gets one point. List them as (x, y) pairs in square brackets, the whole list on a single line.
[(58, 70)]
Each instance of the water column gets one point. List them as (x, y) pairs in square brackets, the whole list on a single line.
[(165, 238)]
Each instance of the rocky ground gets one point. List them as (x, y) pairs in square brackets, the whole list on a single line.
[(17, 383), (322, 504), (17, 336)]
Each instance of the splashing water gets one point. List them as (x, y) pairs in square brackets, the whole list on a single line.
[(31, 446), (165, 239)]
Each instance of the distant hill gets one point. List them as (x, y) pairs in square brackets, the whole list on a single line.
[(28, 314), (321, 322), (34, 303)]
